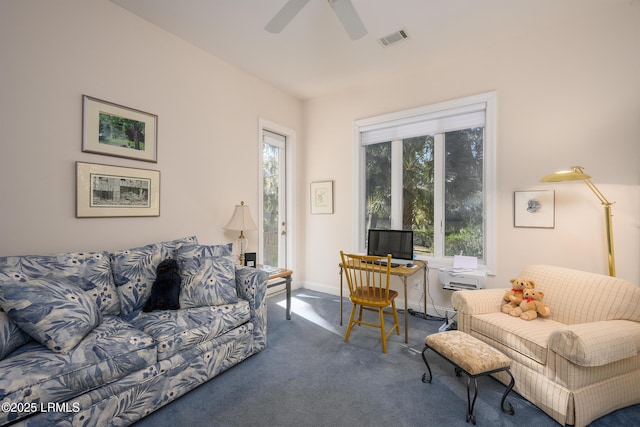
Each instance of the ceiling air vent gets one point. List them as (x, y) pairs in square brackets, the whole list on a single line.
[(393, 38)]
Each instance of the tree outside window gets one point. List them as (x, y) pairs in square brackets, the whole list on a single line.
[(461, 180), (431, 169)]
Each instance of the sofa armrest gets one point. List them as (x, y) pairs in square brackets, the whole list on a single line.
[(469, 303), (251, 284), (479, 301), (597, 343)]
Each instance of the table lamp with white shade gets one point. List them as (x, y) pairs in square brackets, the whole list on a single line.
[(241, 221)]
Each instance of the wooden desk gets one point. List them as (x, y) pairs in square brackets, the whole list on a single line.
[(403, 273), (285, 276)]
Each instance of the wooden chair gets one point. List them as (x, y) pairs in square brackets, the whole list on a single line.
[(368, 282)]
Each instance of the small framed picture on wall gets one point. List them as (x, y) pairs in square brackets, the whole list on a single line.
[(534, 209), (322, 197)]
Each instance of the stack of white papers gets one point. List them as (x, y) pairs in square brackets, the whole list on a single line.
[(463, 264)]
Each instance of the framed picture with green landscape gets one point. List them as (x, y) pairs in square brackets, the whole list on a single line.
[(115, 130)]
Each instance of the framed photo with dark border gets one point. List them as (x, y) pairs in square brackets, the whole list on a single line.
[(322, 197), (115, 130), (534, 209), (116, 191)]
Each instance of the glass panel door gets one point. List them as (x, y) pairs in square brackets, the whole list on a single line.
[(274, 221)]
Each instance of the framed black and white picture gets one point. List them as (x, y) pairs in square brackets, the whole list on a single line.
[(112, 191), (534, 209)]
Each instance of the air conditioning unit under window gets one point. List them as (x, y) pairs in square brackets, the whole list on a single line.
[(461, 280)]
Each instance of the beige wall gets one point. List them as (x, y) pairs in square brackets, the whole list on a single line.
[(53, 53), (567, 96)]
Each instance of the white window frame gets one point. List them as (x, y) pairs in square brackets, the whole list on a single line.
[(489, 170)]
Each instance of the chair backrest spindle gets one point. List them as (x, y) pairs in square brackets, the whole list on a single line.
[(368, 277)]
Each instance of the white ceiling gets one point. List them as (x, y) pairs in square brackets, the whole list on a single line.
[(313, 55)]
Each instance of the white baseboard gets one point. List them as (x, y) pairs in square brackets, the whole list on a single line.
[(319, 287), (418, 306)]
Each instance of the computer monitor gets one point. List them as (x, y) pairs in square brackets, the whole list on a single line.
[(398, 243)]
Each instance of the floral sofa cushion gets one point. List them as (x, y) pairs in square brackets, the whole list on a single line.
[(186, 251), (89, 271), (208, 281), (178, 330), (11, 336), (54, 312), (112, 350), (134, 271)]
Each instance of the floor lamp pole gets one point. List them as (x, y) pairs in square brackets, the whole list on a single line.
[(608, 218), (609, 224), (577, 174)]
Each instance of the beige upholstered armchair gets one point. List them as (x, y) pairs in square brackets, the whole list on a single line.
[(581, 362)]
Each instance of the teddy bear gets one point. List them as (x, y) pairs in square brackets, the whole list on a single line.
[(513, 297), (531, 305)]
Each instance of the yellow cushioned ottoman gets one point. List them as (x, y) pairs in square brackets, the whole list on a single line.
[(471, 356)]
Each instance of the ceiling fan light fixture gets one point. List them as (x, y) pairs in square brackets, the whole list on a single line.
[(393, 38)]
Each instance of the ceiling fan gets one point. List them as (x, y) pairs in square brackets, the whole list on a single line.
[(343, 9)]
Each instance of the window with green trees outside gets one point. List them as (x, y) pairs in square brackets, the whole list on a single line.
[(425, 170)]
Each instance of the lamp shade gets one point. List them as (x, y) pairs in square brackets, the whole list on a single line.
[(241, 219), (575, 174)]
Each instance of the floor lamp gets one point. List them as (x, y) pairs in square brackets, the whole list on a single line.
[(577, 174)]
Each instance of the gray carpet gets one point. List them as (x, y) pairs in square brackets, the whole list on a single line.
[(307, 376)]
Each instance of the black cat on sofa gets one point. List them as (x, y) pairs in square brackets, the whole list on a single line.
[(165, 292)]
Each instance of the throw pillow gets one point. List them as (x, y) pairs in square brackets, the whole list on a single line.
[(186, 251), (134, 271), (54, 312), (11, 337), (208, 281), (89, 271)]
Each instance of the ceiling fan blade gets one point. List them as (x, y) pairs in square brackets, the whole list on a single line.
[(285, 15), (349, 18)]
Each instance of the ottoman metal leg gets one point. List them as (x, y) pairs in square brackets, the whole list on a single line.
[(424, 376), (471, 403), (509, 411)]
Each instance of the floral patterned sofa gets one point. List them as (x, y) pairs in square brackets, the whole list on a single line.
[(76, 347)]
